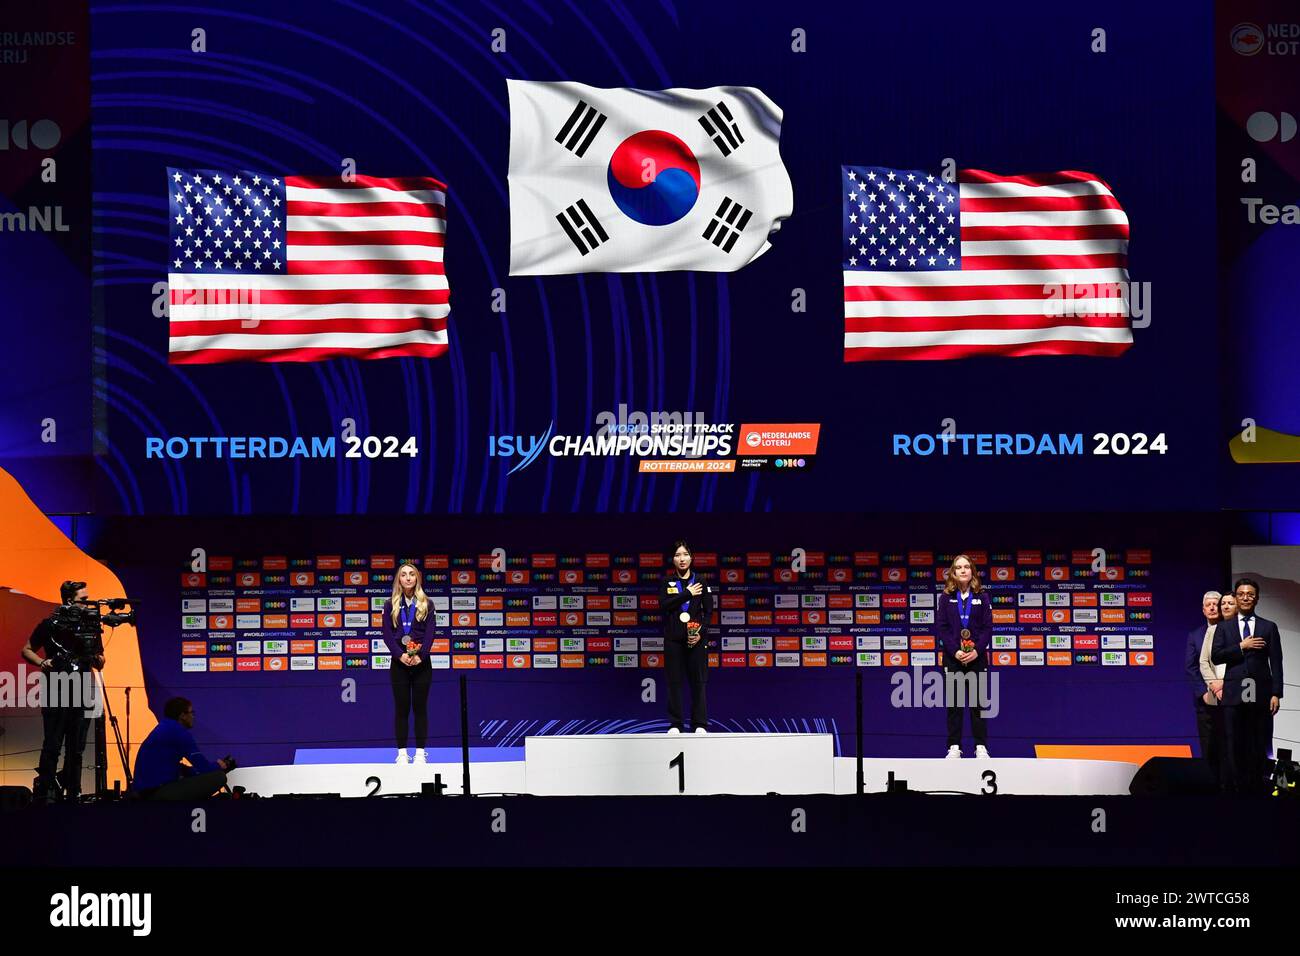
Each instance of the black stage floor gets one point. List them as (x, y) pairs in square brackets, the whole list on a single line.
[(904, 830)]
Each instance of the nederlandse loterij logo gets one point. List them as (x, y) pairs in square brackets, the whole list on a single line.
[(1246, 38)]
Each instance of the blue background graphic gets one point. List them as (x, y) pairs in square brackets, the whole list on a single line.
[(416, 89)]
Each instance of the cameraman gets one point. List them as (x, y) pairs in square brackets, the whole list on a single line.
[(65, 721), (159, 773)]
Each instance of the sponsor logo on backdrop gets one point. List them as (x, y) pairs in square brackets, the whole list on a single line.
[(1272, 39), (668, 441), (1266, 126)]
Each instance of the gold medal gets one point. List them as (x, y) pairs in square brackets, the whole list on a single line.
[(684, 588)]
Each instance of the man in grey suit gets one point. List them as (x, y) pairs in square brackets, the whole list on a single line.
[(1251, 647), (1202, 681)]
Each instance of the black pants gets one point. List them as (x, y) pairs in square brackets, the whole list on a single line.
[(1209, 726), (694, 661), (965, 696), (411, 693), (65, 729), (1249, 732), (200, 786)]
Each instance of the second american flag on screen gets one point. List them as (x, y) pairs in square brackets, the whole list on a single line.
[(264, 268), (987, 265)]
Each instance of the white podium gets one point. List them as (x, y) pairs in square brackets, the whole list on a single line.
[(652, 764), (641, 764), (1006, 775), (359, 779)]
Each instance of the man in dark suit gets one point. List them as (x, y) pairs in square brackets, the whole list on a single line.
[(1251, 647)]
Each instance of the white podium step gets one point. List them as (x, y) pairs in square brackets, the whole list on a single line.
[(639, 764), (358, 779), (1006, 775)]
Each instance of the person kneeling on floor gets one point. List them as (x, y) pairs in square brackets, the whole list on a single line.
[(159, 773)]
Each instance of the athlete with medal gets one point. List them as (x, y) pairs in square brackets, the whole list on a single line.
[(964, 620), (407, 632), (687, 606)]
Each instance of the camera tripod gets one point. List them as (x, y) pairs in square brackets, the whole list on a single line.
[(101, 743)]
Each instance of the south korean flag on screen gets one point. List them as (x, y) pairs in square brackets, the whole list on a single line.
[(623, 180)]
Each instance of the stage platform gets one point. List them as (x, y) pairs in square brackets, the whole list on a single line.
[(908, 830), (690, 764)]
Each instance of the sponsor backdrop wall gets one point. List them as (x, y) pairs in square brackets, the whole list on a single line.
[(562, 639)]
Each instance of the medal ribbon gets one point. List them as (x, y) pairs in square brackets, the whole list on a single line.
[(964, 609), (681, 589)]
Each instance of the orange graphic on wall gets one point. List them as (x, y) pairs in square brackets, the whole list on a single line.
[(35, 558)]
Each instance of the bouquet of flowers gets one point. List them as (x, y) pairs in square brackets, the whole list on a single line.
[(412, 647), (967, 644), (693, 631)]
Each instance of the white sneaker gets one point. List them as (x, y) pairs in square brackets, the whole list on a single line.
[(700, 730), (420, 756), (981, 752), (954, 752), (402, 757), (674, 730)]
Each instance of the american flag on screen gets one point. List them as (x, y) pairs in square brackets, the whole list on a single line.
[(300, 268), (988, 265)]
